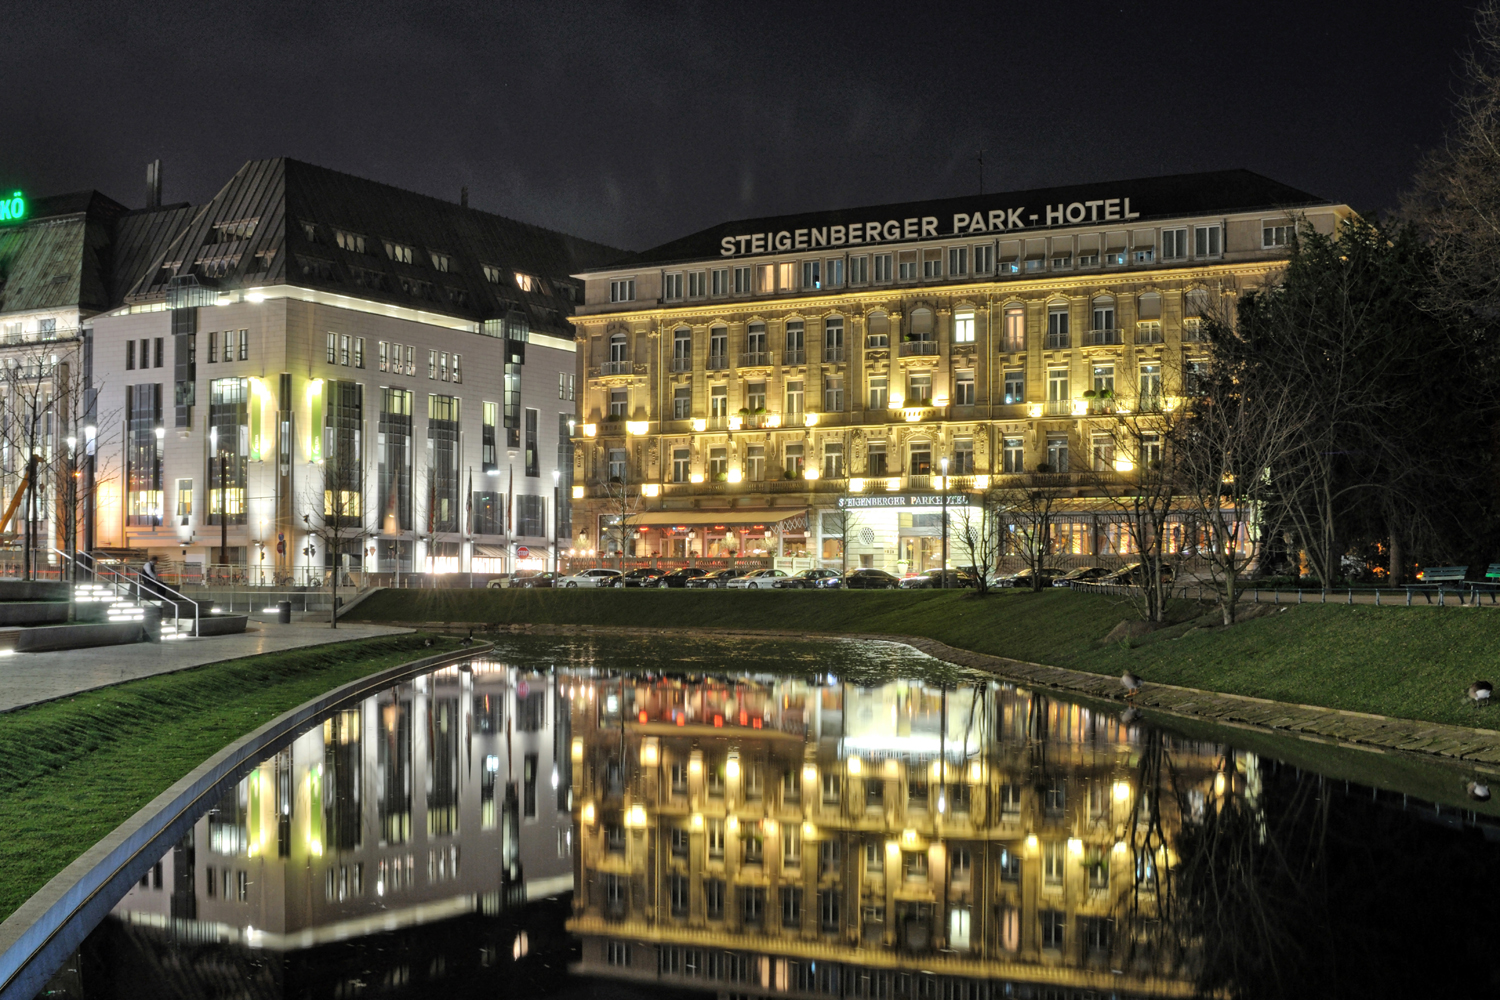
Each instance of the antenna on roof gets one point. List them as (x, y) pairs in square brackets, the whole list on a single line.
[(153, 184), (981, 171), (463, 196)]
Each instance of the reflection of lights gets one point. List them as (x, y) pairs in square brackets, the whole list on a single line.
[(976, 773), (810, 773), (732, 824), (732, 768), (892, 848), (554, 777), (809, 832), (612, 704), (1075, 846), (892, 769), (942, 803), (578, 749), (697, 821), (521, 947), (695, 765), (908, 836), (636, 816), (588, 813), (1122, 791), (768, 827), (1031, 843), (1119, 847), (1219, 783), (854, 765), (492, 763), (649, 752)]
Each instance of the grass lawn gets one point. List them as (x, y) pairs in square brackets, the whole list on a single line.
[(1408, 662), (73, 770)]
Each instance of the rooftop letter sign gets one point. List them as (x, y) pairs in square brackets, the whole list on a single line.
[(13, 209)]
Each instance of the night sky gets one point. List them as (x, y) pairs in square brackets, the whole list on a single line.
[(636, 123)]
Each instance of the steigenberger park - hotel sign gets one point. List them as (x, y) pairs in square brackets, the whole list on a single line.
[(996, 220), (907, 500)]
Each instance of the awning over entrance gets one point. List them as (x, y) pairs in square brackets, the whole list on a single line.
[(489, 551), (728, 518)]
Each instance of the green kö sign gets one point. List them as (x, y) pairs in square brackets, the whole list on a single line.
[(13, 209)]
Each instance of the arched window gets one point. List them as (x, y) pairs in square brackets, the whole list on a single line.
[(922, 324), (718, 347), (617, 348), (682, 349), (1013, 336), (919, 459)]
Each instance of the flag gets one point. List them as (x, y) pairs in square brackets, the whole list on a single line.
[(469, 503), (509, 492)]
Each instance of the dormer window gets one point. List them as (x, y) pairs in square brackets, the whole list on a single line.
[(398, 252), (442, 262), (352, 242), (492, 274), (309, 232), (525, 282)]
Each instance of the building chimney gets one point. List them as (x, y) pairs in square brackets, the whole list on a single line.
[(463, 196), (153, 184)]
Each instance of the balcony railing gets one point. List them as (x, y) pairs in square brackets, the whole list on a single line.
[(717, 362), (1097, 338), (39, 336), (718, 423), (1058, 407), (755, 359), (616, 368), (833, 355), (682, 364), (877, 342), (791, 357), (1057, 342), (918, 348)]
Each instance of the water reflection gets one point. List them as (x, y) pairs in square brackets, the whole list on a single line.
[(932, 836)]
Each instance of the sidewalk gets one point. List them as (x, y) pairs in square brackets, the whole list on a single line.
[(27, 678)]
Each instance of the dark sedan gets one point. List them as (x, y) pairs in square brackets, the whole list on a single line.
[(871, 579), (808, 579), (1083, 574), (681, 577), (646, 576), (534, 580), (1135, 575), (718, 579), (933, 580)]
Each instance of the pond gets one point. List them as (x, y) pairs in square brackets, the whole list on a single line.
[(632, 817)]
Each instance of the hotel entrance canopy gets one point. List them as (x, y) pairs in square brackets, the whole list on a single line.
[(714, 518)]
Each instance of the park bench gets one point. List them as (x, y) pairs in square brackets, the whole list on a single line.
[(1490, 583), (1437, 579)]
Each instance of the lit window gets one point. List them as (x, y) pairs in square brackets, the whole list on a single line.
[(963, 328), (527, 283)]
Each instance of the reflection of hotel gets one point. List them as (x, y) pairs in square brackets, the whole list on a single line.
[(739, 381), (900, 842), (441, 799)]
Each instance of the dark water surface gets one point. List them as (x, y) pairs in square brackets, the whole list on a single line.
[(649, 817)]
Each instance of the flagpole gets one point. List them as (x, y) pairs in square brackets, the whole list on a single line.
[(469, 529)]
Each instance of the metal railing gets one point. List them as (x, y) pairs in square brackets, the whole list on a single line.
[(131, 587), (717, 361), (682, 364), (1104, 336), (918, 348), (797, 357), (755, 359), (1058, 407), (833, 355), (617, 368)]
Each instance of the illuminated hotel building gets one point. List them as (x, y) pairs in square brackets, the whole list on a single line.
[(743, 383), (900, 842)]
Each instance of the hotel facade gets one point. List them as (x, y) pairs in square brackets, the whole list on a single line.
[(793, 388)]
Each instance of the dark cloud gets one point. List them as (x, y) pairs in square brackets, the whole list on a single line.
[(634, 123)]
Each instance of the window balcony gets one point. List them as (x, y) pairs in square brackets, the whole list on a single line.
[(833, 355), (682, 364), (917, 412), (791, 357), (717, 362), (720, 423), (755, 359), (918, 348), (617, 368), (1057, 342), (1104, 337), (1058, 408)]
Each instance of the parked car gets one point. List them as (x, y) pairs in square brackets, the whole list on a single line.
[(808, 579), (933, 580), (646, 576), (759, 579), (681, 577), (1134, 575), (1083, 574), (717, 579), (590, 578), (500, 581), (871, 579), (534, 581), (1023, 578)]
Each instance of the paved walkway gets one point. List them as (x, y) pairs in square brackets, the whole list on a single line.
[(27, 678)]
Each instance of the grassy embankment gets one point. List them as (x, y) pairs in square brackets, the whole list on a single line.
[(1412, 663), (74, 769)]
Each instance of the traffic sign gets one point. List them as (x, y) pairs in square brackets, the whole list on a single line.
[(522, 552)]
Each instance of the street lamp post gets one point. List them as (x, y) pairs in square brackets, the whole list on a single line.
[(72, 527), (556, 512), (213, 444), (944, 464)]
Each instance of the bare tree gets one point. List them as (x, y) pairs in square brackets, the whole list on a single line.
[(846, 520), (1024, 509), (336, 513), (978, 531), (621, 503)]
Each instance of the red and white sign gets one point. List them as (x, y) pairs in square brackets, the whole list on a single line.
[(522, 552), (523, 690)]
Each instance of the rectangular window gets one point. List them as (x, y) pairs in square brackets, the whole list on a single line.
[(359, 353), (1014, 337), (755, 462), (932, 263), (835, 272), (919, 388), (697, 284), (906, 265), (755, 396), (794, 397), (859, 270), (1143, 255), (1088, 258), (1012, 459), (1057, 452), (833, 394), (619, 403), (616, 460), (1057, 329), (1150, 387), (682, 402), (787, 277), (213, 349), (1277, 234), (533, 455), (671, 287), (184, 498), (1148, 332), (828, 909), (1054, 855), (833, 460), (920, 465), (963, 328), (1104, 379), (878, 392), (876, 466), (718, 464), (130, 354), (791, 907), (622, 290), (1015, 385), (160, 344), (1062, 262), (681, 464), (1103, 446), (718, 401), (958, 261), (742, 285), (719, 282), (812, 274), (531, 516), (963, 388), (411, 364), (883, 268), (1150, 450), (489, 440), (984, 259), (383, 351), (1173, 244), (1206, 241), (794, 461), (765, 278), (963, 465), (432, 364)]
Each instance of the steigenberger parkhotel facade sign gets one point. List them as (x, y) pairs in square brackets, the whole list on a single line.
[(906, 500)]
